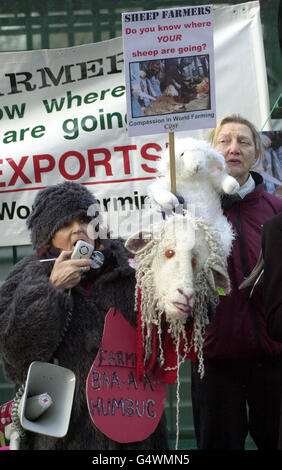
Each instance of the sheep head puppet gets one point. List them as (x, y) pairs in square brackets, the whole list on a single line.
[(180, 263)]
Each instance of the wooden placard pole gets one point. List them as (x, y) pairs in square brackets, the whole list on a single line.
[(172, 163)]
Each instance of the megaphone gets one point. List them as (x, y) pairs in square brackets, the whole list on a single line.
[(59, 383), (46, 404)]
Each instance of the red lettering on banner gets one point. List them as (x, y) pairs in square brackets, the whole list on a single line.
[(147, 156), (18, 171), (125, 149), (46, 169), (62, 165), (73, 165), (105, 162), (2, 184)]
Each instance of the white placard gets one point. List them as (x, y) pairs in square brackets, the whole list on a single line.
[(169, 70)]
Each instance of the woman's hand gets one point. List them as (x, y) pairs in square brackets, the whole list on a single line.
[(67, 272)]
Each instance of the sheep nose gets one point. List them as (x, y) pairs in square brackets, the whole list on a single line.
[(189, 298)]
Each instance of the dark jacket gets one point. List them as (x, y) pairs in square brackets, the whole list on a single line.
[(33, 318), (272, 254), (238, 328)]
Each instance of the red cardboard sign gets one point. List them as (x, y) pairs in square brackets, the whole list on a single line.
[(5, 415), (122, 407)]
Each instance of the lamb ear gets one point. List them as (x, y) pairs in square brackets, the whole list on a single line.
[(138, 242), (218, 278)]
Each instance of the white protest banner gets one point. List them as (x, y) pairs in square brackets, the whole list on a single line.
[(63, 117), (169, 70)]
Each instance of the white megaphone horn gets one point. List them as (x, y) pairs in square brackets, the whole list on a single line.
[(46, 404)]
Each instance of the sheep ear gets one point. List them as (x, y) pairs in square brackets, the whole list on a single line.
[(218, 278), (138, 242)]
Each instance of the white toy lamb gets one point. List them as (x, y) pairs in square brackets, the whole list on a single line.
[(201, 178)]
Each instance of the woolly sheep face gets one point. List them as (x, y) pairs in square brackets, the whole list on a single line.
[(192, 156), (173, 284), (173, 269), (176, 258)]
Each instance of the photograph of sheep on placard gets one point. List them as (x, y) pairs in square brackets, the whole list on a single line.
[(167, 86)]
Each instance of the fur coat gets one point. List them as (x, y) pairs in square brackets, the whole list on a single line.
[(34, 326)]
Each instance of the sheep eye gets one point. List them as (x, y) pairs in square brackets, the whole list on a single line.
[(169, 253), (181, 155), (194, 262)]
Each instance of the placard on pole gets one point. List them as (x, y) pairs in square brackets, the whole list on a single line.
[(169, 72)]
